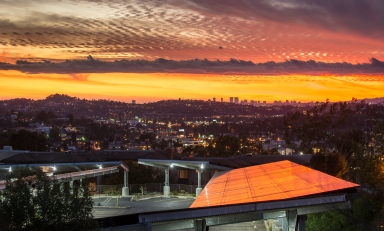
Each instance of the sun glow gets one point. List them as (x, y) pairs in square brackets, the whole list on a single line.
[(147, 87)]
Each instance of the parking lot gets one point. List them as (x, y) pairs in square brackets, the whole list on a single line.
[(113, 206)]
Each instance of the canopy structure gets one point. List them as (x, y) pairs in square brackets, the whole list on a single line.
[(199, 166), (282, 191), (204, 165), (59, 168), (268, 182), (73, 171)]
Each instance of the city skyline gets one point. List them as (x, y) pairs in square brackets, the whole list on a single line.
[(152, 50)]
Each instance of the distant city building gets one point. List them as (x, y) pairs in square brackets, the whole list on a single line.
[(231, 99), (221, 99), (264, 102), (236, 99), (214, 99), (133, 101)]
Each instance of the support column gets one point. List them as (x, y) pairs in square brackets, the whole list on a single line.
[(71, 186), (81, 189), (166, 183), (200, 225), (301, 222), (98, 184), (198, 189), (125, 190), (290, 223)]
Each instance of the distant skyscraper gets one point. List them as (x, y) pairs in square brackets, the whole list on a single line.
[(231, 99), (236, 99), (133, 101), (214, 99), (221, 99)]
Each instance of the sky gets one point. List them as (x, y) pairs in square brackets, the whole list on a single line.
[(148, 50)]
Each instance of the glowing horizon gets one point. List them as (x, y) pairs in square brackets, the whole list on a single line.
[(149, 87), (36, 35)]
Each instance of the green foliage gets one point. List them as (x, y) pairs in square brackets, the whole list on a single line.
[(44, 117), (54, 133), (362, 216), (175, 193), (26, 140), (330, 221), (333, 164), (350, 150), (32, 201)]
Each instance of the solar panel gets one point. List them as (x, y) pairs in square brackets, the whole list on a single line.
[(267, 182)]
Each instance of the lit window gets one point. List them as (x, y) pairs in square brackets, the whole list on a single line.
[(183, 174)]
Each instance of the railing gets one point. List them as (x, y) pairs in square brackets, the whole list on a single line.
[(150, 188)]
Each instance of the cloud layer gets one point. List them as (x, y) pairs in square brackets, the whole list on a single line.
[(256, 30), (77, 68)]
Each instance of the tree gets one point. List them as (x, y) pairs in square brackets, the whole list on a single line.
[(54, 133), (353, 152), (360, 217), (33, 201), (333, 164), (26, 140)]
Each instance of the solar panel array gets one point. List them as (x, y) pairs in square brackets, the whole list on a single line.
[(267, 182)]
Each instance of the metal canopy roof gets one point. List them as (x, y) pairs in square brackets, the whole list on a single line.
[(67, 167), (78, 175), (268, 182), (203, 165)]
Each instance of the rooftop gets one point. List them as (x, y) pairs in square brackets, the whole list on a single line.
[(268, 182)]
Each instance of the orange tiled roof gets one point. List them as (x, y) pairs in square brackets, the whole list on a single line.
[(267, 182)]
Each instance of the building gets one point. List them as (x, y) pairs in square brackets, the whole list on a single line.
[(236, 99), (231, 99), (284, 151), (133, 101)]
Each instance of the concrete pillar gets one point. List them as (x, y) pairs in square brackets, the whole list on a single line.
[(166, 183), (81, 187), (200, 225), (99, 181), (125, 190), (198, 189), (301, 222), (71, 186), (290, 223)]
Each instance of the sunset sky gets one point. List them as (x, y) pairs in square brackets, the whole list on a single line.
[(76, 47)]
